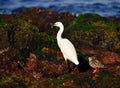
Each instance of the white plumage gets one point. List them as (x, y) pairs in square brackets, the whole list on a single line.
[(66, 47), (68, 50)]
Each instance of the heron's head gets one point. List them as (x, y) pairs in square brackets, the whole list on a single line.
[(58, 24)]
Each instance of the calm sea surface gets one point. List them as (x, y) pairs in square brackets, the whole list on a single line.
[(102, 7)]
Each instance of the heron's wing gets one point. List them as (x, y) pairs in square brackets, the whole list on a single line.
[(67, 48)]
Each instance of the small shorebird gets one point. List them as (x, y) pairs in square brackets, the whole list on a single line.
[(94, 63)]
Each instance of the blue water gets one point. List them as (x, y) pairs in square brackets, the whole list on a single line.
[(102, 7)]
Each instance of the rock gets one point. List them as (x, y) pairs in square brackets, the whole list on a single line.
[(114, 69), (110, 58), (4, 40), (68, 83), (23, 33), (4, 50), (32, 63), (50, 69), (31, 37), (95, 33), (57, 54), (41, 18), (105, 57)]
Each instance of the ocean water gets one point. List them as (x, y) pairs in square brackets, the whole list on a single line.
[(102, 7)]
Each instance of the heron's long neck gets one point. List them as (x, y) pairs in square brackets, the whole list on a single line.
[(59, 34)]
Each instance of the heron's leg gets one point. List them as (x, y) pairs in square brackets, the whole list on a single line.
[(67, 66)]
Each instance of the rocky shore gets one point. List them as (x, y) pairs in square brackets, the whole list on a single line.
[(30, 57)]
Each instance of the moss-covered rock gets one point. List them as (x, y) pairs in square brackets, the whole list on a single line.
[(23, 37), (86, 79), (107, 79), (90, 21), (96, 39), (93, 31), (17, 81), (41, 69), (4, 41), (44, 40)]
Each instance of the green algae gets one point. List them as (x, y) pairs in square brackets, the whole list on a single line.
[(96, 39), (41, 40), (88, 30), (16, 81), (25, 38), (59, 82), (80, 80), (106, 79), (2, 23), (100, 34), (4, 79), (55, 82), (94, 32), (90, 21), (51, 41)]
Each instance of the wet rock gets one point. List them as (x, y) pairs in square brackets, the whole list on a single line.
[(94, 33), (50, 69), (8, 64), (106, 57), (4, 50), (115, 69), (83, 80), (41, 18), (31, 67), (7, 18), (32, 63), (68, 83), (100, 39), (110, 59), (19, 81), (23, 32), (45, 66), (57, 54), (105, 79)]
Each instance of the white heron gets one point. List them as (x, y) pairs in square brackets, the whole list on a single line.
[(94, 63), (66, 47)]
